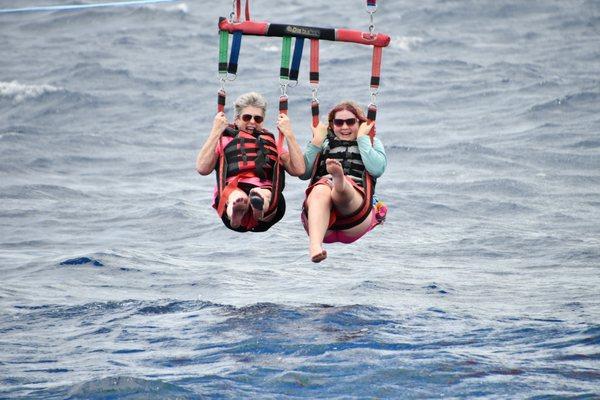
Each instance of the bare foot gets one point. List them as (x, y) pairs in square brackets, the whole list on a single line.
[(257, 203), (334, 167), (239, 208), (318, 254)]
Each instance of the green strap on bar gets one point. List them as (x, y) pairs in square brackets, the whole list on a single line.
[(284, 72), (223, 50)]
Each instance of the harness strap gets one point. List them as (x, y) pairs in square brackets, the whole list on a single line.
[(314, 61), (238, 10), (223, 50), (284, 71), (342, 222), (221, 96), (278, 168), (375, 80), (376, 67), (314, 110), (296, 59), (247, 10), (371, 115), (314, 79), (236, 44)]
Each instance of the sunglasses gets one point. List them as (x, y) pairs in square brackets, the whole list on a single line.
[(340, 122), (257, 118)]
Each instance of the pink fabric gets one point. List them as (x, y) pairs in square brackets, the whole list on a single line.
[(342, 236)]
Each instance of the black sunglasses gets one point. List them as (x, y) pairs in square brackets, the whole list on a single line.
[(340, 122), (257, 118)]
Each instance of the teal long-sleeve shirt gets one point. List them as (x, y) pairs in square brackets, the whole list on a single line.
[(373, 156)]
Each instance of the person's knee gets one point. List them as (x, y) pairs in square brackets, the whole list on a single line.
[(320, 194)]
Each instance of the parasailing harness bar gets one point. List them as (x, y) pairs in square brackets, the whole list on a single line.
[(288, 74)]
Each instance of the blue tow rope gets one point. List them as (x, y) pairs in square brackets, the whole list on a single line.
[(82, 6)]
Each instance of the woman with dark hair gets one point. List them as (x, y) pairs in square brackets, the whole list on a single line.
[(342, 162), (247, 161)]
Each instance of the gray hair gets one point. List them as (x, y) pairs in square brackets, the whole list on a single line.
[(251, 99)]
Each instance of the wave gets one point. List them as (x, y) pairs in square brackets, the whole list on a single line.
[(81, 261), (406, 43), (506, 186), (586, 144), (444, 43), (515, 70), (114, 76), (41, 192), (463, 148), (585, 98), (277, 345), (96, 16), (18, 92), (125, 387), (179, 9)]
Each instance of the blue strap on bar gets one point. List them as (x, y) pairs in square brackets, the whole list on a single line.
[(236, 44), (296, 58), (82, 6)]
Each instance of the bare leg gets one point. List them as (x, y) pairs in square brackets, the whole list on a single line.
[(319, 207), (345, 198), (260, 199), (237, 205)]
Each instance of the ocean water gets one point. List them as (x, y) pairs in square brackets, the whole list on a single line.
[(118, 281)]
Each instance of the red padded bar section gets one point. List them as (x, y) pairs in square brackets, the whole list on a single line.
[(348, 35), (341, 35), (247, 27)]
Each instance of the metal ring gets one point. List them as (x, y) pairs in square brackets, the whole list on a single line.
[(374, 96), (231, 19), (314, 94), (283, 88)]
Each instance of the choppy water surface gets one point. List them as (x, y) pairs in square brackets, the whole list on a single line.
[(119, 281)]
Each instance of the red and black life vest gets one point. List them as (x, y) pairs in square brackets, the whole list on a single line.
[(348, 154), (250, 154)]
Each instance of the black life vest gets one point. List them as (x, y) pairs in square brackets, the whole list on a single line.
[(348, 154), (250, 154)]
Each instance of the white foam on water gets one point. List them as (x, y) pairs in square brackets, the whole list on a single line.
[(406, 43), (175, 8), (20, 92)]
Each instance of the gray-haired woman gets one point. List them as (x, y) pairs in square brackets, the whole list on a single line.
[(249, 165)]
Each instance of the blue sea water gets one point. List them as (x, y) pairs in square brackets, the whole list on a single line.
[(119, 281)]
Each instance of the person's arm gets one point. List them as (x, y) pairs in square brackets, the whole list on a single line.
[(313, 148), (207, 158), (373, 155), (293, 161)]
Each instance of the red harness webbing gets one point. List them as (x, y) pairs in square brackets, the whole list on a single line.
[(314, 79), (238, 10), (376, 67)]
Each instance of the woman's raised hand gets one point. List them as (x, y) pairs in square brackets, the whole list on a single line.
[(365, 128), (319, 133), (219, 123), (284, 124)]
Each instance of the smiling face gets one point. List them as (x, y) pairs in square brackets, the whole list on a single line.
[(347, 130), (251, 124)]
